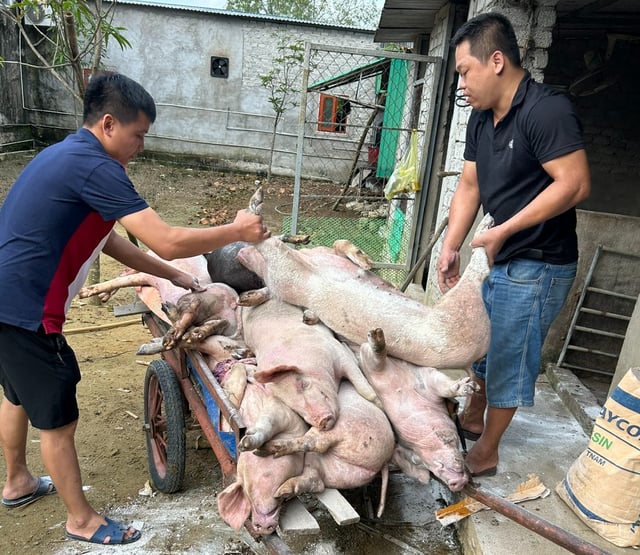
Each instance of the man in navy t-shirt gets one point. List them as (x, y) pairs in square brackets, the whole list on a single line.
[(79, 189), (525, 164)]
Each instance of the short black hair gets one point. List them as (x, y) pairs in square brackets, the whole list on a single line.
[(487, 33), (118, 95)]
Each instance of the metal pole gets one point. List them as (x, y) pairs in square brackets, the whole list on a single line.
[(423, 256), (540, 526)]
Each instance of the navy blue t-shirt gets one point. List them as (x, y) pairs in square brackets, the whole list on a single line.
[(540, 126), (54, 221)]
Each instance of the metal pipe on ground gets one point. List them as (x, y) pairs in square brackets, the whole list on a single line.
[(540, 526)]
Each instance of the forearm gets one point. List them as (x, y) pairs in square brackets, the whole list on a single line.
[(171, 242), (184, 242), (462, 213), (131, 256)]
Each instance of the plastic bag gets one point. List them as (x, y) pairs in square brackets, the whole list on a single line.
[(404, 178)]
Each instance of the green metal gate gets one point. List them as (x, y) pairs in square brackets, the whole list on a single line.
[(357, 111)]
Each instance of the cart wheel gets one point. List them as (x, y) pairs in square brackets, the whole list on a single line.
[(164, 426)]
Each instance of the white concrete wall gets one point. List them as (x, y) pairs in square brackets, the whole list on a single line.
[(228, 120)]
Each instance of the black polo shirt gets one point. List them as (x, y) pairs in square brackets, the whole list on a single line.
[(540, 126)]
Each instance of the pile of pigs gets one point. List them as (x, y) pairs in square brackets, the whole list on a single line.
[(333, 370)]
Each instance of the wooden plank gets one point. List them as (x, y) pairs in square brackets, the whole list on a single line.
[(295, 519), (339, 508)]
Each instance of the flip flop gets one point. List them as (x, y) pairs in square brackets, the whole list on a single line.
[(45, 487), (491, 471), (113, 530), (473, 436)]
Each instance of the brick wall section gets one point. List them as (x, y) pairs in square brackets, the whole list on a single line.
[(611, 121)]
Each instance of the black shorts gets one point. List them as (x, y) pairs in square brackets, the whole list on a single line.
[(39, 372)]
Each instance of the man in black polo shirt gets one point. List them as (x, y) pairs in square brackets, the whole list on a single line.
[(525, 164)]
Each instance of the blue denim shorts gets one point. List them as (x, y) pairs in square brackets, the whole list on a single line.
[(523, 298)]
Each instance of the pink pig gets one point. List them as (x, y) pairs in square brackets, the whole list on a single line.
[(304, 363), (414, 400)]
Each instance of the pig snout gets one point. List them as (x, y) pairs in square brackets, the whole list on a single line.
[(326, 423), (321, 409), (452, 473), (265, 523), (457, 483)]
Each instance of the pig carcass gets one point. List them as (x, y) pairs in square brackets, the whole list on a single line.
[(351, 300), (258, 478), (216, 347), (152, 290), (203, 313), (305, 363), (349, 455), (414, 400)]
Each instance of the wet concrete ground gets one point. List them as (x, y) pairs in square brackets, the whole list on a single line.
[(187, 523), (407, 527)]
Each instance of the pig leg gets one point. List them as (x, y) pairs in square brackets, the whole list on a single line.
[(256, 201), (254, 297), (234, 383), (220, 347), (310, 481), (411, 464), (154, 347), (375, 353), (435, 382), (356, 255), (310, 318), (204, 330), (257, 435), (313, 440), (111, 286), (182, 316), (352, 372)]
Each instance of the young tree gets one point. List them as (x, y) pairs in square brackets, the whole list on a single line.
[(283, 81), (75, 40)]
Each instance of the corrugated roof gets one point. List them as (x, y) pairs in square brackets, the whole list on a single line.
[(369, 69), (404, 20), (229, 13)]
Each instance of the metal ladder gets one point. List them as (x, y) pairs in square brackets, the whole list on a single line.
[(602, 314)]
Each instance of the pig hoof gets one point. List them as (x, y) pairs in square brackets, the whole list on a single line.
[(309, 317), (465, 386), (275, 448), (250, 442), (254, 297), (376, 340)]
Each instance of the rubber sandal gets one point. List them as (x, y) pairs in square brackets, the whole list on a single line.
[(113, 530), (473, 436), (45, 487), (491, 471)]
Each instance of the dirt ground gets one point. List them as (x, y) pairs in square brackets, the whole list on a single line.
[(110, 439)]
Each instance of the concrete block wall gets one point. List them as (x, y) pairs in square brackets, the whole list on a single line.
[(228, 121), (610, 118)]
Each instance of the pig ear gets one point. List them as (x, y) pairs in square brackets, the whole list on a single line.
[(274, 373), (233, 506)]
